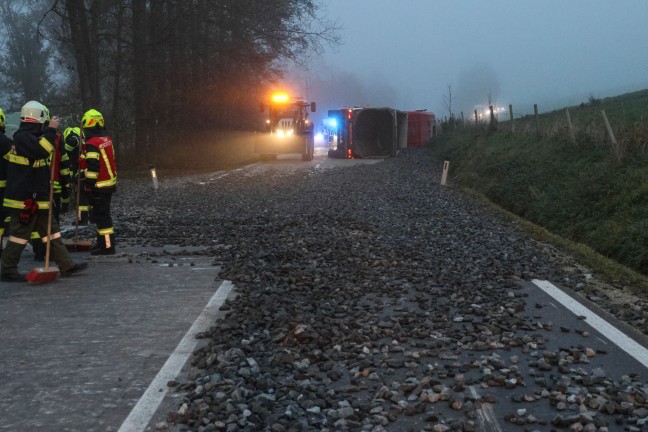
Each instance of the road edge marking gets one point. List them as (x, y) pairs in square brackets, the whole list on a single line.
[(146, 407), (612, 333)]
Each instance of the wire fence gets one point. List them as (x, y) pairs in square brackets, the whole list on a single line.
[(625, 130)]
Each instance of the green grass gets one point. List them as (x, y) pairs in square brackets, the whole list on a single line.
[(577, 191)]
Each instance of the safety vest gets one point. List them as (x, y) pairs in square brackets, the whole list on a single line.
[(101, 150)]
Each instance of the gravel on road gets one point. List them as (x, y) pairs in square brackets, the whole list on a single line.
[(372, 298)]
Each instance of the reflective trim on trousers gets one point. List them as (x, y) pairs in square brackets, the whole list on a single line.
[(106, 231), (53, 236), (18, 240)]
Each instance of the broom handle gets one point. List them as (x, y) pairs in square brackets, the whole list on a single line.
[(49, 213), (77, 216)]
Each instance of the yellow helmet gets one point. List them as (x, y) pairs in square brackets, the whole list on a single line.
[(74, 130), (33, 112), (2, 118), (91, 119)]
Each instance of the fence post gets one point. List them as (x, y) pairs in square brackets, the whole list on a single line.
[(463, 120), (476, 119), (511, 117), (493, 123), (537, 119), (572, 136), (444, 176), (616, 150)]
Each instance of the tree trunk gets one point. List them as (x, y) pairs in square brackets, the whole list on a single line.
[(85, 53), (140, 60)]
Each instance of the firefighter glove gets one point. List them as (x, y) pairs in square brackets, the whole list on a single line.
[(29, 211)]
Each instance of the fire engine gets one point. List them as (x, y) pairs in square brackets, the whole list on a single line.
[(289, 130)]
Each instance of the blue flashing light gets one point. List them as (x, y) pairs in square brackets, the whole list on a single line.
[(330, 122)]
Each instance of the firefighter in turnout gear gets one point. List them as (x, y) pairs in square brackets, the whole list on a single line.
[(59, 162), (100, 179), (27, 193), (72, 139), (5, 149), (71, 153)]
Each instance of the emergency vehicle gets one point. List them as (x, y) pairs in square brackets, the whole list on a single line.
[(289, 130)]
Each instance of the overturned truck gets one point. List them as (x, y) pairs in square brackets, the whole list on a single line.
[(379, 132)]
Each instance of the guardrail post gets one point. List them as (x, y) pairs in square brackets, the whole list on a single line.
[(156, 185), (444, 176)]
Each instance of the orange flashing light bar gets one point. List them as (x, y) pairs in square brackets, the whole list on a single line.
[(280, 97)]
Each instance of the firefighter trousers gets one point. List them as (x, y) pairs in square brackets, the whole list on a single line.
[(19, 236), (100, 215)]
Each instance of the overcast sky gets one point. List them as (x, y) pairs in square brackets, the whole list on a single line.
[(405, 53)]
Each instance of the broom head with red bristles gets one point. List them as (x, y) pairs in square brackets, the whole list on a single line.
[(77, 245), (42, 275)]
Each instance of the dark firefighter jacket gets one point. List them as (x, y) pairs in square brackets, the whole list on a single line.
[(28, 172), (5, 148), (61, 165), (72, 147), (101, 169)]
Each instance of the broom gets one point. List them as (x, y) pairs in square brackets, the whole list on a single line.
[(47, 273)]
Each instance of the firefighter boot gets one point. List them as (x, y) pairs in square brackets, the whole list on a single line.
[(105, 245), (39, 249)]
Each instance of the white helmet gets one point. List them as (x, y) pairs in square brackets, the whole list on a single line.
[(34, 112)]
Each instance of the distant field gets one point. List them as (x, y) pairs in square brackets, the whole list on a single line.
[(579, 190)]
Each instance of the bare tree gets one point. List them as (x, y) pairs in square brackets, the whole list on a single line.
[(24, 66), (199, 64), (447, 102)]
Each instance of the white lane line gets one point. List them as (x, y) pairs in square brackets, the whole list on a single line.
[(606, 329), (485, 415), (143, 411)]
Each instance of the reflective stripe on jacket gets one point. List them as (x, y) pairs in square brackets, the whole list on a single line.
[(101, 171)]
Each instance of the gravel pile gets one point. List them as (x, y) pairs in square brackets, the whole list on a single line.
[(370, 298)]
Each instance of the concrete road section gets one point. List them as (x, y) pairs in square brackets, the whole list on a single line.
[(77, 354)]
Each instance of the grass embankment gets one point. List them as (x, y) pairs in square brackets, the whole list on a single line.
[(577, 190)]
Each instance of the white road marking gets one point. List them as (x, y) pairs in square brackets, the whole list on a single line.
[(143, 411), (486, 415), (606, 329)]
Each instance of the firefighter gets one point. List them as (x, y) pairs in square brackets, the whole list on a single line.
[(100, 179), (59, 162), (72, 139), (5, 148), (27, 193)]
